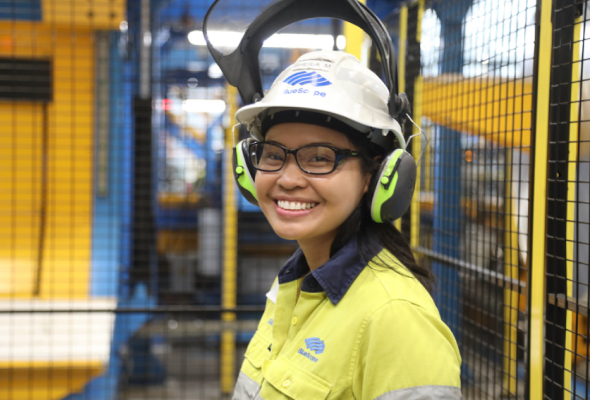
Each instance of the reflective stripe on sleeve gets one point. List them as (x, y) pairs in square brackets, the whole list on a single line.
[(246, 388), (424, 393)]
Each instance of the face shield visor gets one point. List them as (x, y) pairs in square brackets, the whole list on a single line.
[(235, 37)]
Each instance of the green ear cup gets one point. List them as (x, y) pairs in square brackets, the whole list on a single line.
[(244, 172), (393, 187)]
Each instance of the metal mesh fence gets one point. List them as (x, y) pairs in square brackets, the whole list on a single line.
[(476, 75), (566, 319), (124, 242), (130, 267)]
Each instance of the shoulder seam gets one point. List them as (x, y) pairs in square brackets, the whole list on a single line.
[(393, 269)]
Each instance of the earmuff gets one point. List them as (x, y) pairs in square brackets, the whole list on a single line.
[(392, 187), (244, 171), (390, 191)]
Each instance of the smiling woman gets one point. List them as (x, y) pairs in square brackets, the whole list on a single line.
[(349, 315), (351, 310)]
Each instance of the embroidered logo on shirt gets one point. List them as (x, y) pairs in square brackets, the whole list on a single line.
[(307, 355), (270, 322), (315, 344)]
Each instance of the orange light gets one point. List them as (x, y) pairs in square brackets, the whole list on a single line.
[(468, 156)]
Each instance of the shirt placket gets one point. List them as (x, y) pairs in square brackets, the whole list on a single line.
[(305, 307), (286, 300)]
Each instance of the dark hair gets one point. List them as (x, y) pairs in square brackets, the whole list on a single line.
[(373, 236)]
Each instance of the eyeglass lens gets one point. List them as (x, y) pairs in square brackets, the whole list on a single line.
[(316, 159)]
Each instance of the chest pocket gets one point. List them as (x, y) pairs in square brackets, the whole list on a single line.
[(282, 378)]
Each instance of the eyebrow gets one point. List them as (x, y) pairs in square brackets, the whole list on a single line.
[(308, 144)]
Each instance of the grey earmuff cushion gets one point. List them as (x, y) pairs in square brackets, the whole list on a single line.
[(396, 206), (249, 170)]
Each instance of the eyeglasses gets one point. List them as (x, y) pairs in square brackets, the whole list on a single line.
[(315, 159)]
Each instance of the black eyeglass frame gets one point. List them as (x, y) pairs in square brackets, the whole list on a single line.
[(341, 154)]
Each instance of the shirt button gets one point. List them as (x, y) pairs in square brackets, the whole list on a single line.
[(294, 321), (286, 383)]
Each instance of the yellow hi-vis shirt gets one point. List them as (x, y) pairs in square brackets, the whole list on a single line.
[(350, 331)]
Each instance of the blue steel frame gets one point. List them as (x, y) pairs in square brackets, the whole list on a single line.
[(21, 10), (113, 214), (447, 178)]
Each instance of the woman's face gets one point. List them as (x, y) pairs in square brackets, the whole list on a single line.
[(332, 197)]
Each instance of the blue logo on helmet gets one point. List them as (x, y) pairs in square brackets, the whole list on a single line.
[(307, 78), (315, 344)]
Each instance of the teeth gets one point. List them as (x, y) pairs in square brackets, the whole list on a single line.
[(291, 205)]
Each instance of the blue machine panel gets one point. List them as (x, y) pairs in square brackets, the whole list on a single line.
[(22, 10)]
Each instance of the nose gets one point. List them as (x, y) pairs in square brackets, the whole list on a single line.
[(291, 175)]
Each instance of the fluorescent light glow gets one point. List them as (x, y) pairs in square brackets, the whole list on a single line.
[(204, 106), (300, 41), (147, 39), (214, 71), (278, 40), (341, 42)]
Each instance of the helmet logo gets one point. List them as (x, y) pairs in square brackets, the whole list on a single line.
[(307, 78)]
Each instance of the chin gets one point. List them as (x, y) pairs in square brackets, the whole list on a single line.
[(290, 232)]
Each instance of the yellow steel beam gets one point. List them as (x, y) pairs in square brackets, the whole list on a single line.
[(95, 14), (49, 380), (496, 109), (401, 56), (416, 149), (65, 248), (355, 38), (230, 245), (419, 22), (539, 214), (417, 141), (510, 296)]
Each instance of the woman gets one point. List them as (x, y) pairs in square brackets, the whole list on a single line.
[(349, 315)]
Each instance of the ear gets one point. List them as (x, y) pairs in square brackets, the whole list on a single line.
[(368, 179)]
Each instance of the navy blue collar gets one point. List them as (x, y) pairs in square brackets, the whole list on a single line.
[(334, 277)]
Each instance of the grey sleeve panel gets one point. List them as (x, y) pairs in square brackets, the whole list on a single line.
[(246, 388), (424, 393)]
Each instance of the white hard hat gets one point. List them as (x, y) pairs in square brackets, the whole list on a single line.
[(332, 83)]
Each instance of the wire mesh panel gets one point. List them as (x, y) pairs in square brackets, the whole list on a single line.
[(120, 224), (477, 67), (132, 268), (566, 318), (50, 344)]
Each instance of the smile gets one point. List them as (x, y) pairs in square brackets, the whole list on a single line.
[(294, 205)]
